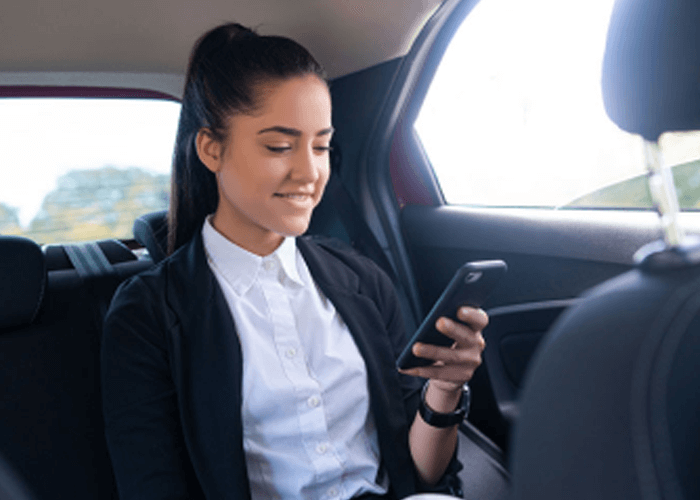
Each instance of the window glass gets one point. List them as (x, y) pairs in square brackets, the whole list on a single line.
[(77, 169), (515, 117)]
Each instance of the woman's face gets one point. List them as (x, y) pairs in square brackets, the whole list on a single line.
[(273, 166)]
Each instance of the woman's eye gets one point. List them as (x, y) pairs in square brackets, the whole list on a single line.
[(323, 148), (278, 149)]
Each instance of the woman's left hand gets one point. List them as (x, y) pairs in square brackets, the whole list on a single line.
[(455, 365), (432, 447)]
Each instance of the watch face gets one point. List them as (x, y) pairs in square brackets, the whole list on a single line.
[(466, 399)]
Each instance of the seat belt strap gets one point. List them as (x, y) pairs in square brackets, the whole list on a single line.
[(88, 260), (361, 236), (363, 240)]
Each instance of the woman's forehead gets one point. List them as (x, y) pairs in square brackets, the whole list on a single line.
[(301, 102)]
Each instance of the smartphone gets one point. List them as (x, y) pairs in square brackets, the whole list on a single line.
[(471, 286)]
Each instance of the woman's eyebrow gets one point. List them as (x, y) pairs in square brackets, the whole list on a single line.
[(292, 131)]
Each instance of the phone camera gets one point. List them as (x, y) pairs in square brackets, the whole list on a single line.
[(473, 277)]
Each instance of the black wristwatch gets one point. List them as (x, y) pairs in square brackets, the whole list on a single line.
[(442, 420)]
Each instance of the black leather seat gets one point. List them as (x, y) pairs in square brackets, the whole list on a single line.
[(22, 266), (52, 431), (611, 405), (11, 485)]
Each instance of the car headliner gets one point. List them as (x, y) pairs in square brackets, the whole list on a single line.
[(155, 36)]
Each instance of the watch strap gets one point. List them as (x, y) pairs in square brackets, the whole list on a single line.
[(442, 420)]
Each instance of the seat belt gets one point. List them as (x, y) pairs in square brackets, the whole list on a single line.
[(89, 260), (363, 240), (361, 236)]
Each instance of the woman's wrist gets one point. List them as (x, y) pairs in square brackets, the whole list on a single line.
[(443, 397)]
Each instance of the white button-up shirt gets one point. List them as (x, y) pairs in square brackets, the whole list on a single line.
[(307, 427)]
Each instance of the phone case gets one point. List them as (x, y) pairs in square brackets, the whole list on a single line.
[(471, 286)]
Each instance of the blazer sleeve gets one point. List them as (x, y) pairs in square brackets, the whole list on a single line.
[(142, 425), (388, 302)]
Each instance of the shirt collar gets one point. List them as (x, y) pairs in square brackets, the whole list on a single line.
[(288, 255), (240, 267)]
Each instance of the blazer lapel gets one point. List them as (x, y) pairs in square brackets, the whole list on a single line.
[(208, 373), (342, 287)]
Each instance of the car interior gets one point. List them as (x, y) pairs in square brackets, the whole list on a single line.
[(588, 387)]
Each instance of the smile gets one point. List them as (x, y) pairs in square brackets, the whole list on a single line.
[(294, 196)]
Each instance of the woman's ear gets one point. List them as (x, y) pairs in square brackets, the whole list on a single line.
[(208, 149)]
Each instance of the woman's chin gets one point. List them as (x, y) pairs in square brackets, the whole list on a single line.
[(293, 228)]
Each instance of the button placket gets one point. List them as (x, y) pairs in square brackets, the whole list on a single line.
[(269, 264), (309, 407)]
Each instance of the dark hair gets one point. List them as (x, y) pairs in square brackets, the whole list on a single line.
[(226, 68)]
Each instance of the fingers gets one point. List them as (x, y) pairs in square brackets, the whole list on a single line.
[(455, 364), (477, 319), (466, 333), (450, 355), (456, 374)]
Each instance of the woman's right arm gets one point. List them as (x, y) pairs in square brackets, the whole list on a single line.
[(142, 423)]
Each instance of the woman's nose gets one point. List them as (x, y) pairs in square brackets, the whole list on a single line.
[(307, 165)]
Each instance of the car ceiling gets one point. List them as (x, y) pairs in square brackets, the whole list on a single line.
[(155, 36)]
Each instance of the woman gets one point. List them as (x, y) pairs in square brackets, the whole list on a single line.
[(253, 362)]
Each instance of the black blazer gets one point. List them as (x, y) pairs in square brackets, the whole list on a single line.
[(172, 370)]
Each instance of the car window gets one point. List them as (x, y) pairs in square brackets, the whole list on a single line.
[(76, 169), (515, 117)]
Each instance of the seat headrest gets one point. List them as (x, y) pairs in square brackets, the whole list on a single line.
[(22, 281), (611, 405), (651, 69), (12, 487), (151, 231)]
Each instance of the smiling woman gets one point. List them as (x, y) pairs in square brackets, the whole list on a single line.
[(273, 166), (216, 105), (255, 360)]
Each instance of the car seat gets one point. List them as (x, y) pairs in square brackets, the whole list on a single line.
[(11, 486), (51, 313), (611, 404)]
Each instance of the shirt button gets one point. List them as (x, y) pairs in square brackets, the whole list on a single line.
[(291, 352), (332, 492), (321, 448), (268, 265), (313, 402)]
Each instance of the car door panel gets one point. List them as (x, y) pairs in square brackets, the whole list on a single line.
[(553, 256)]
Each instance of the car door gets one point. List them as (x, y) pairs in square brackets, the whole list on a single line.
[(553, 255)]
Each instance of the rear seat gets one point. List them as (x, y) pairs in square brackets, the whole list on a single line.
[(50, 325)]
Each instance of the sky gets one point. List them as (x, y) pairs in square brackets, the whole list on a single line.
[(41, 139)]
